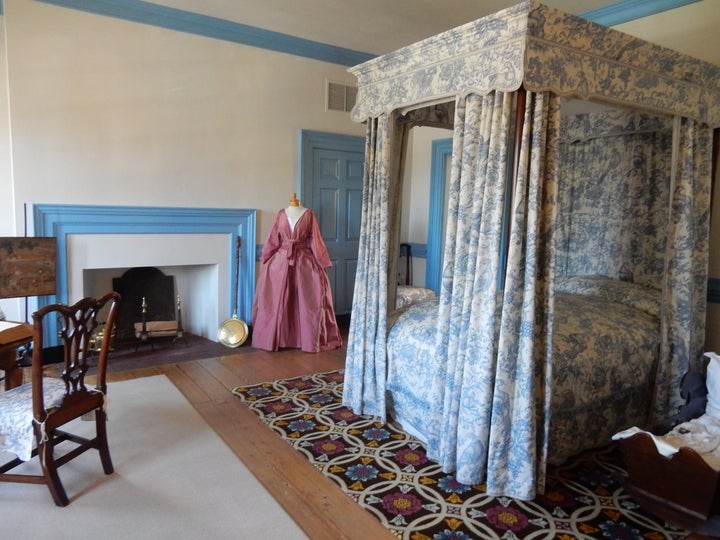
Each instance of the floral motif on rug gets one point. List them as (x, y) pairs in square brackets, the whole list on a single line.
[(387, 472)]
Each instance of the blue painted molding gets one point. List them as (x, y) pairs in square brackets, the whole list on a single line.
[(441, 149), (2, 7), (713, 294), (213, 27), (629, 10), (60, 220)]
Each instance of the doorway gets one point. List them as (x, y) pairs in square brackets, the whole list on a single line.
[(439, 181), (331, 183)]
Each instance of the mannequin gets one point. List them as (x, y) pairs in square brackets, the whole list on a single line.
[(294, 211), (293, 304)]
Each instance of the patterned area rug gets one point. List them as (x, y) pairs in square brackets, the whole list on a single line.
[(386, 471)]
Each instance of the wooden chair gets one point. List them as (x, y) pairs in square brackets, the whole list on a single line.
[(35, 411)]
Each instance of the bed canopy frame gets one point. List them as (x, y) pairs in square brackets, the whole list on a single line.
[(498, 83)]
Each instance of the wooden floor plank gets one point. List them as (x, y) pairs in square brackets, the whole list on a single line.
[(318, 506)]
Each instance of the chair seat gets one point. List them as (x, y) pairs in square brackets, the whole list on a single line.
[(16, 415)]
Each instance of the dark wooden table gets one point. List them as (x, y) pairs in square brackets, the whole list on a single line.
[(10, 340)]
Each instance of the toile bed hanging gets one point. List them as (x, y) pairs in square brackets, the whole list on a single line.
[(495, 388)]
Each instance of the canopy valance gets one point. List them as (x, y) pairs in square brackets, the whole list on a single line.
[(540, 48)]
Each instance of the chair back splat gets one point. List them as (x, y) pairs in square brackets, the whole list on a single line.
[(36, 411)]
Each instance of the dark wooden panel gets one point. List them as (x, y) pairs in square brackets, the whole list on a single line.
[(27, 266)]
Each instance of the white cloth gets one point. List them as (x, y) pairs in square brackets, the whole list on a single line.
[(294, 213), (712, 381), (700, 434)]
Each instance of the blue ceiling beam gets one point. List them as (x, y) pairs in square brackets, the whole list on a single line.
[(629, 10), (213, 27)]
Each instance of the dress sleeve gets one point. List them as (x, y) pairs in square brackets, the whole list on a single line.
[(273, 241), (317, 245)]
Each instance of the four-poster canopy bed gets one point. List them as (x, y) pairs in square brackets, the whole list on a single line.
[(576, 248)]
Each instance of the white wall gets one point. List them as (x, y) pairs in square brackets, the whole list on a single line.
[(416, 191), (109, 112), (6, 188), (106, 111)]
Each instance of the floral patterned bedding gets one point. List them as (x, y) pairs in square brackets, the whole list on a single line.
[(645, 299), (605, 344)]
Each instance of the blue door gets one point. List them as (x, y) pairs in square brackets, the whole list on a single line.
[(332, 181)]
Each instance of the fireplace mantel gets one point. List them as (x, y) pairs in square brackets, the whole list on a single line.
[(62, 221)]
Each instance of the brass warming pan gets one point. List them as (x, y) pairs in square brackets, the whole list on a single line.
[(233, 331)]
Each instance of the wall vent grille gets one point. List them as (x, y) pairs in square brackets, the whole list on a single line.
[(340, 97)]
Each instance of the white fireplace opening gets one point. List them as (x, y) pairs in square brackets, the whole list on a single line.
[(199, 262)]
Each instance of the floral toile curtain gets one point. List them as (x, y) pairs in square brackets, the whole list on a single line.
[(374, 293), (491, 416), (634, 205), (491, 426), (365, 366), (684, 289), (492, 400), (615, 169)]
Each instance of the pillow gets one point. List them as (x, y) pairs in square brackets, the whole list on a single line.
[(643, 298), (712, 381)]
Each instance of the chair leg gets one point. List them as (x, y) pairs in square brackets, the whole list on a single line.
[(103, 447), (49, 469)]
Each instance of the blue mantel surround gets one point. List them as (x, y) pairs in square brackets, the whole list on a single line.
[(60, 220)]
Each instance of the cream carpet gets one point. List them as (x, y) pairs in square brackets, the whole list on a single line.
[(174, 478)]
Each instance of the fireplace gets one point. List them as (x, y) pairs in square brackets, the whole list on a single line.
[(196, 245)]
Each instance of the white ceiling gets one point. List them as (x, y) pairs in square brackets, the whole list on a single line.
[(381, 26)]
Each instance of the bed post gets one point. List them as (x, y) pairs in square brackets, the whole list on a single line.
[(519, 121), (512, 176)]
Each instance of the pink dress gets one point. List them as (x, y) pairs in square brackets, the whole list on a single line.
[(293, 305)]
